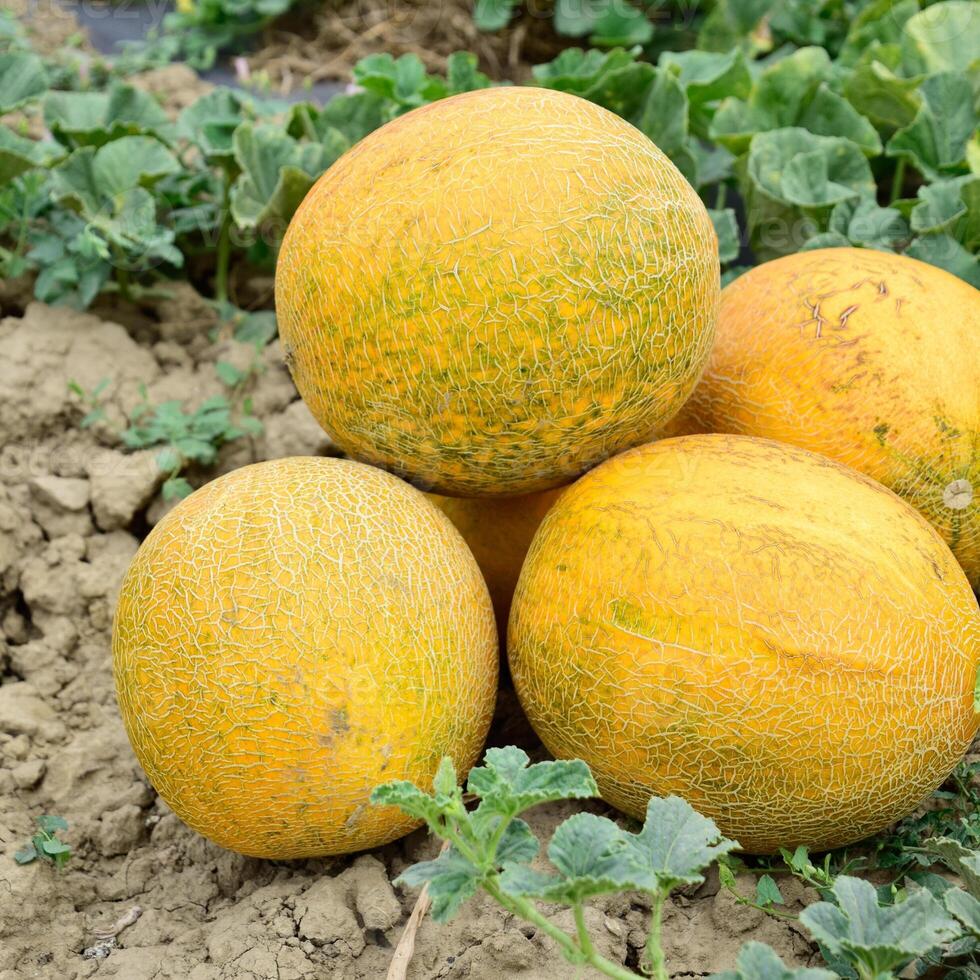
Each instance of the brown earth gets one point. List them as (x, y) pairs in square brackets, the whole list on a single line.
[(325, 41), (73, 508)]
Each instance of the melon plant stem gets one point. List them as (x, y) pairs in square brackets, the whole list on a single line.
[(223, 257), (898, 179), (573, 951), (581, 952), (654, 951)]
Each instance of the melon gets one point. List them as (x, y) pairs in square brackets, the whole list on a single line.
[(870, 358), (770, 635), (494, 292), (288, 637), (498, 531)]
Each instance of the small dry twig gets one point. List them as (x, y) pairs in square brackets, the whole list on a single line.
[(402, 958)]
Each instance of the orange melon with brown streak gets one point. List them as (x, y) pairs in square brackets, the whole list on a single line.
[(870, 358), (494, 292), (772, 636), (291, 635), (498, 531)]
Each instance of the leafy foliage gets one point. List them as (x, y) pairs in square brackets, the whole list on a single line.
[(189, 437), (45, 844), (877, 940)]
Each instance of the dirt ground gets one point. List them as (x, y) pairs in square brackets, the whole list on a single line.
[(73, 509), (326, 42)]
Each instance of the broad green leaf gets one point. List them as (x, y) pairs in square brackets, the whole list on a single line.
[(876, 89), (757, 961), (935, 141), (946, 252), (767, 891), (462, 74), (492, 15), (210, 122), (620, 24), (878, 22), (277, 171), (875, 937), (944, 37), (352, 116), (579, 72), (944, 204), (55, 847), (50, 822), (95, 118), (964, 907), (592, 858), (793, 92), (574, 18), (861, 222), (506, 784), (403, 81), (19, 154), (92, 177), (176, 488), (518, 845), (26, 854), (451, 880), (726, 228), (959, 859), (790, 181), (707, 77), (675, 845), (22, 78)]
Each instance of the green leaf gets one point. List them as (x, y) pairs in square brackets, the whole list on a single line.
[(176, 488), (53, 847), (875, 937), (950, 205), (51, 823), (592, 858), (210, 122), (935, 141), (757, 961), (959, 859), (706, 77), (91, 177), (878, 92), (26, 854), (945, 251), (228, 374), (19, 154), (22, 78), (451, 880), (726, 228), (507, 785), (878, 22), (95, 118), (492, 15), (790, 181), (943, 37), (676, 844), (862, 223), (277, 171), (620, 25), (767, 891), (964, 907), (403, 81), (462, 74)]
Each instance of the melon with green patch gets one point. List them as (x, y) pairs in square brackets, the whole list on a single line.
[(494, 292)]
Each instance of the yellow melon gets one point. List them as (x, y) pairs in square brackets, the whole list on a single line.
[(498, 531), (288, 637), (496, 291), (770, 635), (870, 358)]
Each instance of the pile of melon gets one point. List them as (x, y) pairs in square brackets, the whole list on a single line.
[(728, 537)]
